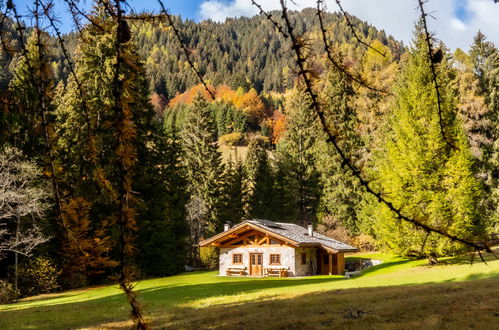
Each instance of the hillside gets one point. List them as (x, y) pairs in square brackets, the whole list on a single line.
[(242, 52), (397, 293)]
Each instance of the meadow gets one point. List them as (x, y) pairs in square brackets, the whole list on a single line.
[(399, 293)]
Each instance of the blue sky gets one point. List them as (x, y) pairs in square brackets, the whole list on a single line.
[(457, 21), (185, 8)]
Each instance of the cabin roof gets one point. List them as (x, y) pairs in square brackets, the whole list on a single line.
[(296, 234)]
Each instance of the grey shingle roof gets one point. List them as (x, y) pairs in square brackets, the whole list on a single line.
[(300, 234)]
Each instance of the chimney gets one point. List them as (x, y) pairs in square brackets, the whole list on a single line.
[(310, 230), (226, 226)]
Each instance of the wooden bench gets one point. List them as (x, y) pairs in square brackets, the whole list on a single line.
[(235, 271), (276, 272)]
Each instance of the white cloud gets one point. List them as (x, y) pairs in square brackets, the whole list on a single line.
[(396, 17), (457, 24)]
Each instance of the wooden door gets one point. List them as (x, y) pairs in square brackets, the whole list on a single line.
[(256, 264)]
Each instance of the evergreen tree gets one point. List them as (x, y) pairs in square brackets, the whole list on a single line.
[(110, 150), (33, 78), (341, 193), (296, 157), (258, 185), (234, 209), (203, 162), (163, 231), (476, 117), (485, 59), (418, 171)]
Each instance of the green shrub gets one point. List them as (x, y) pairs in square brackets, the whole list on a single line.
[(7, 292), (232, 139), (209, 257), (37, 276)]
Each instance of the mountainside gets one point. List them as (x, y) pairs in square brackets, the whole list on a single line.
[(243, 52)]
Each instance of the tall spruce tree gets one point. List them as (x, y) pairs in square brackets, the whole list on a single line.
[(234, 208), (479, 127), (163, 231), (259, 181), (29, 73), (485, 59), (341, 193), (111, 151), (203, 163), (419, 171), (296, 157)]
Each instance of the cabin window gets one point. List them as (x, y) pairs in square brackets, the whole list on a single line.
[(237, 258), (275, 259), (304, 258)]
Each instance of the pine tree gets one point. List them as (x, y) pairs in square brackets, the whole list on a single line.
[(419, 172), (203, 162), (296, 157), (258, 184), (475, 115), (28, 124), (485, 59), (234, 209), (107, 141), (163, 231), (341, 193)]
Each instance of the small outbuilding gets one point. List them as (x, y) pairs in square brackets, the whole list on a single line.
[(267, 248)]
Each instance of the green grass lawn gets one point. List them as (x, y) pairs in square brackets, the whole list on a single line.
[(200, 299)]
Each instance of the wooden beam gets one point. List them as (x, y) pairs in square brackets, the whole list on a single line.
[(241, 228), (330, 255), (215, 244), (243, 238), (341, 263), (260, 242)]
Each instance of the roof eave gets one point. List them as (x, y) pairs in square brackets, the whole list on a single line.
[(214, 238)]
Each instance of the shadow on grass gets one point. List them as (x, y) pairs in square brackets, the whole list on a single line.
[(384, 265), (166, 299), (442, 305), (95, 311), (178, 294), (469, 258)]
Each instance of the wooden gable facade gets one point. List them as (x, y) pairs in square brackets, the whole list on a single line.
[(250, 250)]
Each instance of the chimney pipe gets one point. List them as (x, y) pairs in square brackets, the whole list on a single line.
[(310, 230), (226, 226)]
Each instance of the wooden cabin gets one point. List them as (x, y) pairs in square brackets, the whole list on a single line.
[(267, 248)]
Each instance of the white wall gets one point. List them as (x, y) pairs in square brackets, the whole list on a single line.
[(287, 257)]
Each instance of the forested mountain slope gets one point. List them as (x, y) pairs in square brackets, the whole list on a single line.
[(243, 52)]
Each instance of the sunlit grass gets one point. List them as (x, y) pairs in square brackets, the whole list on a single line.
[(163, 298)]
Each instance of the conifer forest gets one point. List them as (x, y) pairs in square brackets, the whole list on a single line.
[(132, 136)]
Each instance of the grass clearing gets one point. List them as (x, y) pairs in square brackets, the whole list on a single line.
[(201, 299)]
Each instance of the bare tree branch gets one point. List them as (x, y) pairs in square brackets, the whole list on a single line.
[(352, 28), (346, 160), (269, 17), (327, 48), (432, 60), (22, 204), (124, 146)]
